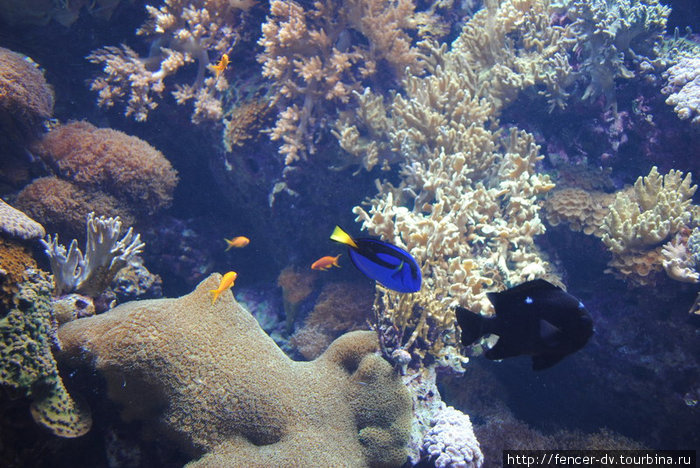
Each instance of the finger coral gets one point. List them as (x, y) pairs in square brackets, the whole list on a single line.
[(222, 388), (183, 32), (110, 161), (644, 217), (105, 255)]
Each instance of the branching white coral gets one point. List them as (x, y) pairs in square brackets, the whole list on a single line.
[(105, 255)]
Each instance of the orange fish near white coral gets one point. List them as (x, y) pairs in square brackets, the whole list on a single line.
[(226, 283), (325, 263), (221, 66), (237, 242)]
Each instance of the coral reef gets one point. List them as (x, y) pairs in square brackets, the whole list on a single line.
[(16, 224), (222, 388), (27, 333), (466, 207), (105, 255), (340, 308), (26, 100), (63, 206), (683, 88), (15, 259), (582, 210), (614, 40), (644, 217), (296, 286), (315, 63), (111, 161), (182, 32), (450, 442)]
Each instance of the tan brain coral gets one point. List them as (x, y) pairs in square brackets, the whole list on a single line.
[(223, 388)]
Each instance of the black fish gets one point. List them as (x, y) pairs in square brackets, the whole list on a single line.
[(535, 318)]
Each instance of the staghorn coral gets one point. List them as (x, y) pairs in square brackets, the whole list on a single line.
[(315, 63), (26, 362), (644, 217), (121, 165), (683, 88), (222, 388), (182, 32), (581, 210), (63, 206), (466, 207), (105, 255), (26, 100)]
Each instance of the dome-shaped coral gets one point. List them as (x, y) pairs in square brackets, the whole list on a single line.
[(121, 165), (26, 100)]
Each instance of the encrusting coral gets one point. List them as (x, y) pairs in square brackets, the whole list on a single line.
[(27, 334), (182, 32), (16, 224), (232, 397)]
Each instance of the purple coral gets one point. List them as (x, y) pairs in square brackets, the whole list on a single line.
[(450, 441)]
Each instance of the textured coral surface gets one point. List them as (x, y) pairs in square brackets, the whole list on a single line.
[(224, 389)]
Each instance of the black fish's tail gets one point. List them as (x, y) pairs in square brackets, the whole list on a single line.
[(472, 325)]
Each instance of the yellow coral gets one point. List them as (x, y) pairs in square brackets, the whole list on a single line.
[(649, 214)]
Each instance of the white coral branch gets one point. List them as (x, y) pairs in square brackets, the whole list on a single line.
[(105, 255)]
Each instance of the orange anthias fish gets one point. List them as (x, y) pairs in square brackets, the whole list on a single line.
[(221, 66), (226, 282), (324, 263), (238, 242)]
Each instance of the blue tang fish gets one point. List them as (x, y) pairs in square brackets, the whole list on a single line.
[(391, 266)]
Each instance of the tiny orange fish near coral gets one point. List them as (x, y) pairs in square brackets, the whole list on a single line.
[(324, 263), (221, 66), (226, 282), (237, 242)]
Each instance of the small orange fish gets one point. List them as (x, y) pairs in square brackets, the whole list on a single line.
[(221, 66), (324, 263), (226, 282), (238, 242)]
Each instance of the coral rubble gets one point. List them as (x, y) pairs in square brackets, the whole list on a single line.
[(222, 388)]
